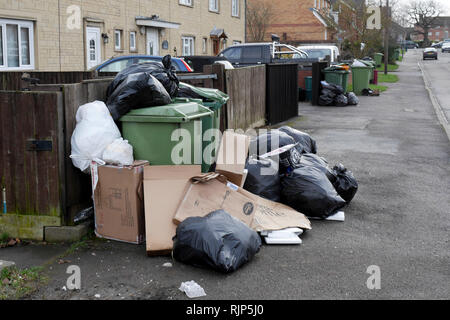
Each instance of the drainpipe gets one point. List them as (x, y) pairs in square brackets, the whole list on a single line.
[(4, 199)]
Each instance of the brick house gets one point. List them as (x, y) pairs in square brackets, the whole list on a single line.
[(297, 22), (439, 32), (75, 35)]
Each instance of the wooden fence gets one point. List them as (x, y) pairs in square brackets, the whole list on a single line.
[(13, 80), (247, 90), (35, 132)]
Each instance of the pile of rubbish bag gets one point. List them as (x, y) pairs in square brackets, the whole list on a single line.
[(334, 95), (141, 86), (307, 184)]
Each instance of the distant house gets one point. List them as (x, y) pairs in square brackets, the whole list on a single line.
[(296, 22), (439, 32), (76, 35)]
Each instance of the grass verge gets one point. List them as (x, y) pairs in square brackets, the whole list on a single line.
[(391, 67), (389, 78), (17, 284), (371, 86)]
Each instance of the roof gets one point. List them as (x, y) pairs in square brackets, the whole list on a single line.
[(154, 21), (218, 33)]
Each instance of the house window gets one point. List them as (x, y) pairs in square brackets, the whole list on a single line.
[(437, 34), (214, 5), (188, 46), (132, 41), (430, 34), (186, 2), (204, 45), (235, 8), (118, 39), (16, 44)]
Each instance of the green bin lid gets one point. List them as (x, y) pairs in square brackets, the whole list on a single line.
[(175, 112)]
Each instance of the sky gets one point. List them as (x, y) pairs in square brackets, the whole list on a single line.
[(445, 5)]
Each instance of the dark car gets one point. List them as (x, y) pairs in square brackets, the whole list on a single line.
[(197, 62), (120, 63), (437, 45), (430, 53), (249, 54)]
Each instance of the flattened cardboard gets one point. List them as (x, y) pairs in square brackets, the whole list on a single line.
[(118, 202), (206, 197), (203, 198), (164, 188), (232, 155), (272, 215)]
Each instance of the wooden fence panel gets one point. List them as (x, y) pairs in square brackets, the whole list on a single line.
[(247, 90), (31, 177)]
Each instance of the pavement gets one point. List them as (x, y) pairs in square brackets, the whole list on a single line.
[(398, 221)]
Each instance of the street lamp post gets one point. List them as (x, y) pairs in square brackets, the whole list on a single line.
[(386, 38)]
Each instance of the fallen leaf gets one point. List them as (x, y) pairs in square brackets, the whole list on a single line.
[(5, 281), (12, 242), (61, 261)]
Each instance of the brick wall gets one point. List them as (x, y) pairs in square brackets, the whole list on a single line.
[(294, 22)]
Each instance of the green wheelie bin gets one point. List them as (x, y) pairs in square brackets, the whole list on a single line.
[(336, 76), (361, 78), (378, 59), (154, 136)]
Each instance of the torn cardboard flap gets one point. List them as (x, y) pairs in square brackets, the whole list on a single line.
[(272, 215), (232, 156), (258, 213), (211, 195), (164, 188)]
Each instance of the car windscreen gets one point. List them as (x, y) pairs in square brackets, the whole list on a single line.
[(117, 66), (317, 53), (430, 50)]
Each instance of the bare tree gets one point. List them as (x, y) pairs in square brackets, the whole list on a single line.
[(259, 17), (424, 14)]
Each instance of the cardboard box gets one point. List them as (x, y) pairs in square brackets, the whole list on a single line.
[(119, 202), (258, 213), (164, 188), (232, 156)]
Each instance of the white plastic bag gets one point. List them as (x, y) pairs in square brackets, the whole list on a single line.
[(192, 289), (95, 130), (119, 152)]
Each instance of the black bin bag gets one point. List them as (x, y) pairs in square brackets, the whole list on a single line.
[(344, 183), (308, 190), (164, 72), (218, 240), (137, 90), (306, 144), (269, 141), (313, 160), (263, 178)]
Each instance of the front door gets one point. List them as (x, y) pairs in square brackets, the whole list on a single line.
[(93, 49), (152, 42), (216, 48)]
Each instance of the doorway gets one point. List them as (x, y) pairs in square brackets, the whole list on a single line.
[(152, 42), (93, 49)]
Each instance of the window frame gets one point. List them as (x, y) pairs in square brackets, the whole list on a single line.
[(217, 2), (118, 32), (187, 3), (192, 49), (134, 48), (237, 6), (204, 45), (28, 24)]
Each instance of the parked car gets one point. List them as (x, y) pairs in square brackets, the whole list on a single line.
[(446, 47), (197, 62), (437, 45), (430, 53), (120, 63), (322, 52), (249, 54), (409, 44)]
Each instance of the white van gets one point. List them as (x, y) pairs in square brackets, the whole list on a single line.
[(321, 51)]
